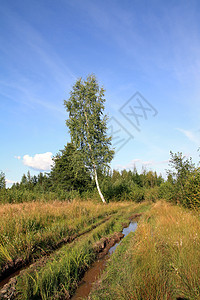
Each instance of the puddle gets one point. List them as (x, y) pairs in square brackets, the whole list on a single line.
[(94, 272), (131, 228)]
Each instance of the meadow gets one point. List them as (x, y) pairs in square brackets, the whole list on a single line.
[(64, 234), (160, 260), (30, 230)]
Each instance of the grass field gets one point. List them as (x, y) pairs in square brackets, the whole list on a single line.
[(32, 230), (160, 261)]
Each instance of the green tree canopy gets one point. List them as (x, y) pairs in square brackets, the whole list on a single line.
[(88, 125), (182, 168), (68, 172), (2, 180)]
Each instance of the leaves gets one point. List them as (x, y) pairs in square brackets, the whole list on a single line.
[(87, 124), (69, 172), (2, 180)]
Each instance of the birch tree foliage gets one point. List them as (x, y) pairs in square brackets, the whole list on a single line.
[(88, 125)]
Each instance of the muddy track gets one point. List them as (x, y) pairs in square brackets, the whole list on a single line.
[(101, 248), (13, 267)]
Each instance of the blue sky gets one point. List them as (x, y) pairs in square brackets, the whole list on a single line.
[(150, 47)]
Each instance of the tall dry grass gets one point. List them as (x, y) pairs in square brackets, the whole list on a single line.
[(160, 261), (30, 230), (58, 277)]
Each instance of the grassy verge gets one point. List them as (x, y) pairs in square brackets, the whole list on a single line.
[(59, 276), (161, 260)]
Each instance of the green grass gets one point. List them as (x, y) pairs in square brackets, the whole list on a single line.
[(31, 230), (59, 276), (161, 260)]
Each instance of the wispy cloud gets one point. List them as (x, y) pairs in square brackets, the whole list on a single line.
[(26, 95), (139, 162), (193, 136), (30, 37), (33, 64), (148, 49)]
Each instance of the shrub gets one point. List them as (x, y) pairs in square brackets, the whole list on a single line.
[(167, 191), (151, 194), (192, 190)]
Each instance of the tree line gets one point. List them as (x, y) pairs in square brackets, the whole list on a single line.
[(82, 168), (70, 179)]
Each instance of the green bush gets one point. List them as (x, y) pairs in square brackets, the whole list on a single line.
[(137, 194), (151, 194), (167, 191), (192, 190)]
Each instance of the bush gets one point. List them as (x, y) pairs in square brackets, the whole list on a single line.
[(192, 190), (136, 194), (115, 191), (167, 191), (151, 194)]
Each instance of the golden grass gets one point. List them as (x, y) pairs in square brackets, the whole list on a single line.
[(59, 275), (28, 229), (160, 261)]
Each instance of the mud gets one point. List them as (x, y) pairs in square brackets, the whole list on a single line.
[(105, 247), (135, 216), (11, 267), (92, 274), (8, 285), (9, 290)]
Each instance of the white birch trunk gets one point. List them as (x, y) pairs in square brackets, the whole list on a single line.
[(94, 166), (97, 184)]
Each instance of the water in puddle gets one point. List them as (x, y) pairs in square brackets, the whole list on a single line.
[(131, 228), (97, 268)]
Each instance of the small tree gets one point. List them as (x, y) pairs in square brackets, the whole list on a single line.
[(87, 125), (2, 180), (182, 167), (68, 172)]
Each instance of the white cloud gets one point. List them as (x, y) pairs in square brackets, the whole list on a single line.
[(192, 136), (41, 162), (8, 181)]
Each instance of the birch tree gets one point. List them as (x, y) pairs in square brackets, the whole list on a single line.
[(2, 180), (88, 126)]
